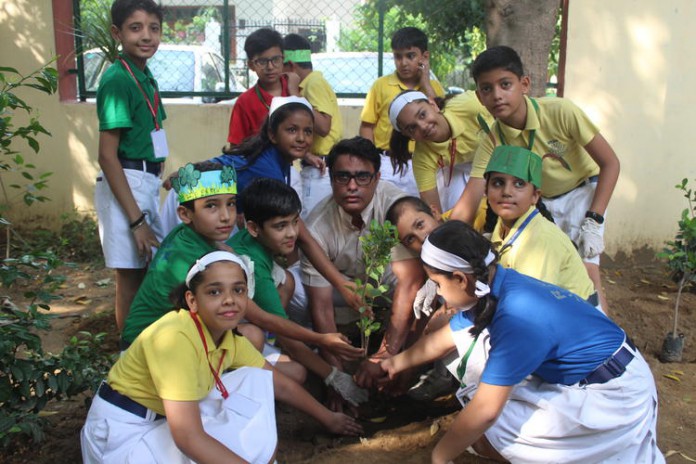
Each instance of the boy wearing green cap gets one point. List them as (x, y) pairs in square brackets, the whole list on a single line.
[(328, 125)]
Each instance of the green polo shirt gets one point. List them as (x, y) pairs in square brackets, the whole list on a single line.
[(168, 269), (265, 293), (121, 105)]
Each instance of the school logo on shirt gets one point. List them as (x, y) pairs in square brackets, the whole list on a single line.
[(557, 151), (558, 294)]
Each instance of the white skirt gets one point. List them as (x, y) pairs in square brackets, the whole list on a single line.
[(244, 423), (552, 423)]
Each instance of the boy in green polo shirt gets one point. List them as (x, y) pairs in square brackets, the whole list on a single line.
[(132, 147)]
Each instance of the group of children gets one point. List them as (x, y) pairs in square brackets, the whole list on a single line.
[(201, 302)]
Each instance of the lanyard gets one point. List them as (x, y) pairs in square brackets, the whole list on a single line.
[(461, 368), (216, 373), (261, 99), (519, 230), (453, 154), (154, 110), (532, 133)]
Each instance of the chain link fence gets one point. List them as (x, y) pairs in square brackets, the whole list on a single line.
[(202, 57)]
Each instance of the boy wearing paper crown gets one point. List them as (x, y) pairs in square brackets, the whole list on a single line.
[(328, 126)]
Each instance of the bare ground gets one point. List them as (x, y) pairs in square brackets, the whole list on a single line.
[(641, 298)]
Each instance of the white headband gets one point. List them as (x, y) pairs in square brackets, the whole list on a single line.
[(244, 262), (449, 262), (277, 102), (398, 104)]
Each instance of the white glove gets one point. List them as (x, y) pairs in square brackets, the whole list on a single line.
[(344, 385), (591, 241), (423, 304)]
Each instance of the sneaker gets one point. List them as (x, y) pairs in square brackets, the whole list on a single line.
[(431, 385)]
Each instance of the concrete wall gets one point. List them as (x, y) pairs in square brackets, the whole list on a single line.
[(629, 64)]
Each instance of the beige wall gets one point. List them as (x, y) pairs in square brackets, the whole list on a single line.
[(629, 66)]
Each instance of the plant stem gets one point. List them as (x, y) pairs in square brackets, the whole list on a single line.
[(676, 305)]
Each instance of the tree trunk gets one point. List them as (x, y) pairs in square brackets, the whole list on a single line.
[(528, 27)]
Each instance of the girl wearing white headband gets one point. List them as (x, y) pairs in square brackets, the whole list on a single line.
[(169, 397), (446, 135), (562, 383)]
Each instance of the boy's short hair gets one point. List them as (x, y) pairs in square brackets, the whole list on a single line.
[(122, 9), (408, 37), (202, 166), (500, 57), (359, 147), (264, 199), (261, 40), (293, 42)]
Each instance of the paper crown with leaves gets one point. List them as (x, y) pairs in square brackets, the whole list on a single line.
[(192, 184)]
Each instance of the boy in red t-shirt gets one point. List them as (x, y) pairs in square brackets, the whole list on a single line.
[(264, 50)]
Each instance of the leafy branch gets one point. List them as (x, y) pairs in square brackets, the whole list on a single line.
[(376, 247)]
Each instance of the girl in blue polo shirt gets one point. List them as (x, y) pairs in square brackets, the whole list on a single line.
[(562, 382)]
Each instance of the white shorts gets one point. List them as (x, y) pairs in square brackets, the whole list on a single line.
[(117, 240), (168, 215), (405, 180), (315, 187), (244, 423), (569, 210), (449, 194)]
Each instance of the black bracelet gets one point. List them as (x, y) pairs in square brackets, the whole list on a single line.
[(137, 223)]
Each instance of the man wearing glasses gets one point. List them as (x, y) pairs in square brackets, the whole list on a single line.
[(337, 222), (264, 50)]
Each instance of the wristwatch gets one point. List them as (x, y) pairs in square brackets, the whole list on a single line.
[(596, 217)]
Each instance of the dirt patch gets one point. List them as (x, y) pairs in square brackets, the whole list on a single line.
[(641, 298)]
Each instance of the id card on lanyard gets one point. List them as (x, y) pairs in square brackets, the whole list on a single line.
[(158, 136)]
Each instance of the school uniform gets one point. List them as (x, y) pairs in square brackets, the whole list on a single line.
[(168, 361), (250, 111), (122, 104), (315, 186), (376, 111), (446, 165), (569, 174), (566, 406)]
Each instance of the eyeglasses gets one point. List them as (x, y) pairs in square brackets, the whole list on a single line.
[(362, 178), (264, 62)]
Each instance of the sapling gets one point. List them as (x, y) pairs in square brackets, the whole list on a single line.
[(680, 254), (376, 246)]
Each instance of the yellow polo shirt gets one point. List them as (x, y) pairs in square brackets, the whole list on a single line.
[(323, 99), (562, 130), (167, 361), (461, 114), (377, 101), (545, 252)]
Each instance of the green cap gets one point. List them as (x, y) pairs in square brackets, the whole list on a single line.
[(516, 161), (298, 56)]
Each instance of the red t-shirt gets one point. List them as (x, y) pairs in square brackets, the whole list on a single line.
[(250, 111)]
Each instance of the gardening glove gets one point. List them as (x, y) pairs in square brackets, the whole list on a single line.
[(344, 385), (423, 304), (591, 241)]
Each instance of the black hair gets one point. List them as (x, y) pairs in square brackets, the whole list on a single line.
[(261, 40), (359, 147), (396, 210), (252, 147), (122, 9), (264, 199), (297, 42), (460, 239), (398, 143), (500, 57), (202, 166), (177, 297), (408, 37)]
